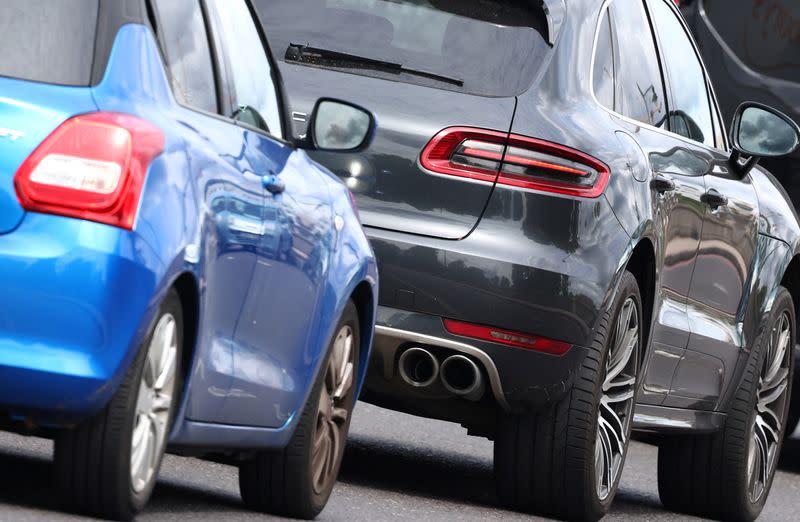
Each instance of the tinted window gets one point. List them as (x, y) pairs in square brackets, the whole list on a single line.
[(183, 35), (487, 47), (255, 93), (640, 91), (689, 95), (604, 64), (764, 34), (48, 41)]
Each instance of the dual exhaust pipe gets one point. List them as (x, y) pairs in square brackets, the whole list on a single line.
[(459, 374)]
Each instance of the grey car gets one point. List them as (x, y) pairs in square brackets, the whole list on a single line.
[(570, 245)]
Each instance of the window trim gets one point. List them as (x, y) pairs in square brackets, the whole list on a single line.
[(277, 81), (158, 37), (614, 55), (605, 5), (710, 98)]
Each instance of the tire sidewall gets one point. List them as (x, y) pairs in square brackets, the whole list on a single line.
[(349, 317), (783, 303), (628, 288), (170, 305)]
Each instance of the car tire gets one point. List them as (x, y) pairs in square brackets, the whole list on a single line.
[(94, 468), (794, 405), (555, 462), (297, 480), (710, 475)]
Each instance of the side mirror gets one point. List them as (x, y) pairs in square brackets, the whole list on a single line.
[(759, 131), (338, 126)]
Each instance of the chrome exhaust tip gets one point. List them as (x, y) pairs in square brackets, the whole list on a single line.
[(462, 377), (418, 367)]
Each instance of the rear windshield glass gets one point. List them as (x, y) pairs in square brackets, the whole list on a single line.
[(47, 41), (486, 47), (764, 34)]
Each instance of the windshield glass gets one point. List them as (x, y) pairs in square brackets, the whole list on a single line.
[(486, 47)]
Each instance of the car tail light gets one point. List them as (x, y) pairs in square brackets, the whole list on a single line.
[(91, 167), (517, 339), (516, 161)]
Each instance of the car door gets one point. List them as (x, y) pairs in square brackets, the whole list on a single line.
[(271, 352), (232, 196), (676, 178), (728, 241)]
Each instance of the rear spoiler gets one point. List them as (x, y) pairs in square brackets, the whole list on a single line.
[(554, 11)]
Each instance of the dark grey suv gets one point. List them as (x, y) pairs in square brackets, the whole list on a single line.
[(569, 245)]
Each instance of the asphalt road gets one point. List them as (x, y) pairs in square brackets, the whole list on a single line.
[(397, 467)]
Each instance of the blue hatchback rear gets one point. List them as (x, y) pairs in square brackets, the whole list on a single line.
[(176, 272)]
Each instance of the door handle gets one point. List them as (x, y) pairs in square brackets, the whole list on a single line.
[(662, 183), (273, 184), (714, 199)]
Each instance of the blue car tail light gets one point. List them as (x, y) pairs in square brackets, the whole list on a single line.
[(91, 167)]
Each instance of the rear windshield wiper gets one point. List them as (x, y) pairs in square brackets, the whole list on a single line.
[(327, 58)]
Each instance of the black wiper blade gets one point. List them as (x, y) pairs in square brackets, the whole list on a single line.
[(309, 55)]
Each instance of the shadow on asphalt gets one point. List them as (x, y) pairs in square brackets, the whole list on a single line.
[(434, 474), (431, 474), (178, 498), (790, 456), (27, 481)]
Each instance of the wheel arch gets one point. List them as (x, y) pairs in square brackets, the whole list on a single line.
[(642, 264), (791, 281), (186, 286)]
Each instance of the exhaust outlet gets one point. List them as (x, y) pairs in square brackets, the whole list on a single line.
[(418, 367), (462, 377)]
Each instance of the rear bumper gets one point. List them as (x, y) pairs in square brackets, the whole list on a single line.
[(75, 300), (518, 380)]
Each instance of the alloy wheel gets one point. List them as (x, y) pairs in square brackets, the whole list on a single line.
[(154, 402), (335, 403), (616, 403), (771, 403)]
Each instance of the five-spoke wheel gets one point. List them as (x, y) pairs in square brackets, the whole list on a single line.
[(108, 465), (333, 411), (297, 480)]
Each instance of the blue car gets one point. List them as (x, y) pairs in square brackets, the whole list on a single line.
[(176, 274)]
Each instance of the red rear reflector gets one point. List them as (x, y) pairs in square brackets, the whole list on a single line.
[(517, 339), (516, 161), (91, 167)]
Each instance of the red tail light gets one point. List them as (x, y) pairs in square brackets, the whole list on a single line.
[(91, 167), (516, 161), (517, 339)]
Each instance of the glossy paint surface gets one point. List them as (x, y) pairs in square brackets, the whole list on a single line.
[(272, 273), (548, 264)]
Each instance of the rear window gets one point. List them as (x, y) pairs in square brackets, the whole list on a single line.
[(46, 41), (485, 47), (764, 34)]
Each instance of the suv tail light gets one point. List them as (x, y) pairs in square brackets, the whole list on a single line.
[(91, 167), (516, 339), (516, 161)]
